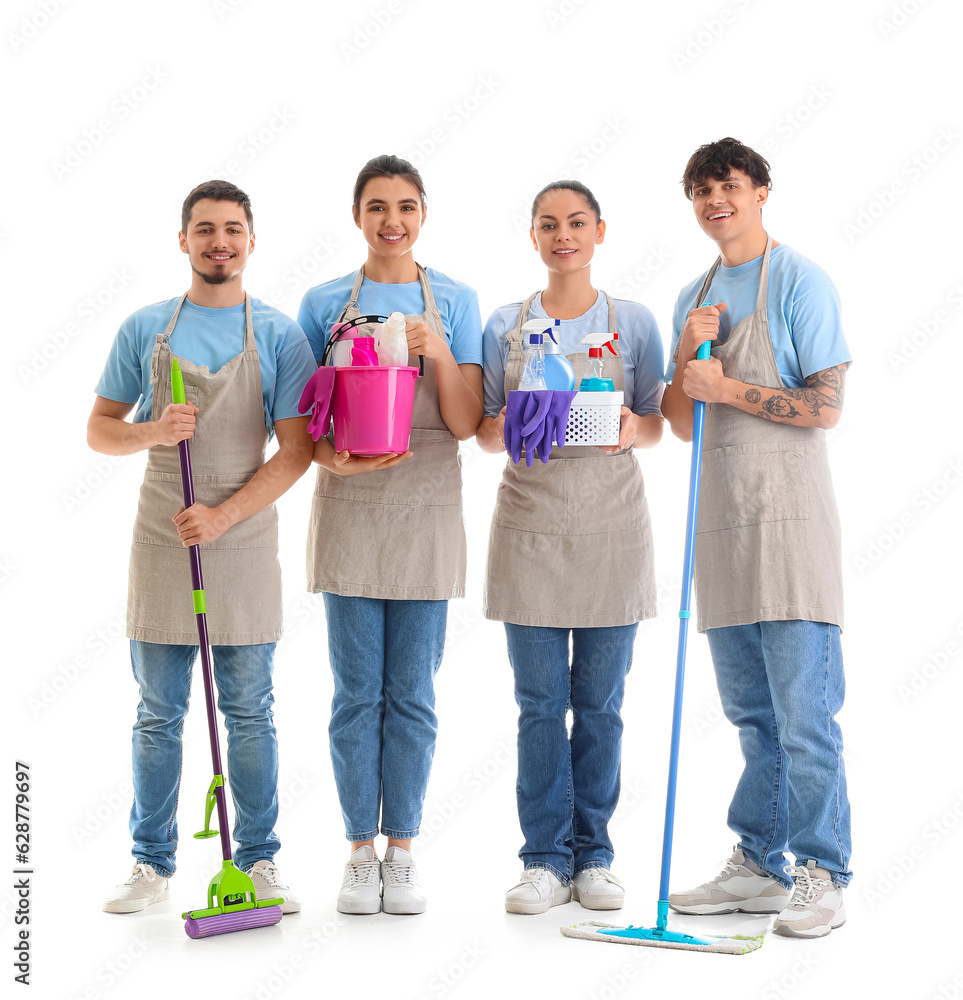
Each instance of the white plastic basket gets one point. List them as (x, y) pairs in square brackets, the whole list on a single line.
[(595, 418)]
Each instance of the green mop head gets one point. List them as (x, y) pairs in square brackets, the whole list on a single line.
[(651, 937)]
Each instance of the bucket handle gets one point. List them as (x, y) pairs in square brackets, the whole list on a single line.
[(346, 325)]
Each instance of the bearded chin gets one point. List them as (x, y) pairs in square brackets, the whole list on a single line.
[(218, 278)]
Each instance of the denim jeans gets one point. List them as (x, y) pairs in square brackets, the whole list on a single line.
[(781, 684), (242, 677), (384, 655), (568, 786)]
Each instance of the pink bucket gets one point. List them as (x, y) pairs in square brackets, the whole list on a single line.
[(372, 409)]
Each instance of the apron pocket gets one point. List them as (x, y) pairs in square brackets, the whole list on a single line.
[(750, 484)]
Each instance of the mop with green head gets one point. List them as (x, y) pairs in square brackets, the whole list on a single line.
[(660, 936)]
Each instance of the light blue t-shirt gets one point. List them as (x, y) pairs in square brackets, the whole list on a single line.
[(457, 305), (210, 337), (639, 344), (802, 305)]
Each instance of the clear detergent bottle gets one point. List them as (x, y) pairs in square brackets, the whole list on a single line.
[(593, 380), (391, 341), (559, 373), (533, 371)]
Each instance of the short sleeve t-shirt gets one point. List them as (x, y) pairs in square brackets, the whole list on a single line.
[(802, 306), (210, 337), (457, 305)]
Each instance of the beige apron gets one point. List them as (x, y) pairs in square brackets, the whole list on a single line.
[(396, 533), (571, 542), (242, 575), (768, 542)]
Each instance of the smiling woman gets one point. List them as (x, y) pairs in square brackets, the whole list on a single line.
[(398, 552)]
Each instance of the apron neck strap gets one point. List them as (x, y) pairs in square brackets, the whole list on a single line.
[(764, 277)]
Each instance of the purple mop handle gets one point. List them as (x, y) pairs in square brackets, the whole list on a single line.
[(197, 581)]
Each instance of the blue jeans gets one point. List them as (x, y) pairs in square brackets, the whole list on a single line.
[(384, 655), (781, 684), (568, 786), (242, 677)]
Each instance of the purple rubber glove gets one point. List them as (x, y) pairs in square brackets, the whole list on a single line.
[(521, 408), (540, 436), (319, 393), (533, 431)]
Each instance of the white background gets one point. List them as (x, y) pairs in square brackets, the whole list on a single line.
[(115, 110)]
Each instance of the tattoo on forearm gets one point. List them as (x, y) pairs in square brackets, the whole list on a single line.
[(824, 389)]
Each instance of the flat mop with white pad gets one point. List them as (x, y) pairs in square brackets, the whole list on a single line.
[(659, 936)]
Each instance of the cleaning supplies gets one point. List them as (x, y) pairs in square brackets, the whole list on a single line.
[(232, 903), (559, 373), (363, 351), (593, 379), (391, 341), (660, 936), (533, 369)]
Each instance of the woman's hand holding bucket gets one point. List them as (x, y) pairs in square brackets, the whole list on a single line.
[(346, 464)]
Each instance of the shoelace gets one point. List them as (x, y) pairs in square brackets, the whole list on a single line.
[(269, 874), (361, 874), (139, 872), (600, 875), (399, 873), (805, 886)]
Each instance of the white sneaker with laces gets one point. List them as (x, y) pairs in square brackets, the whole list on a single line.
[(268, 884), (401, 890), (145, 886), (598, 889), (741, 887), (815, 907), (537, 890), (361, 888)]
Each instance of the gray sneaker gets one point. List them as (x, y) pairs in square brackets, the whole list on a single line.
[(741, 887), (268, 884), (597, 889), (537, 891), (361, 888), (145, 886), (815, 907), (401, 890)]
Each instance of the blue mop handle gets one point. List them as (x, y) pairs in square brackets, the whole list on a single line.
[(695, 468)]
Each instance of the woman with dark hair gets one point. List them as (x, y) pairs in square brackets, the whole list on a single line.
[(570, 560), (386, 542)]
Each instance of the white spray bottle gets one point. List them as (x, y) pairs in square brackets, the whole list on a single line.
[(559, 373)]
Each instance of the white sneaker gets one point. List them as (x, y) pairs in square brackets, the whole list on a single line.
[(816, 905), (598, 889), (537, 890), (401, 892), (361, 888), (145, 886), (741, 887), (268, 884)]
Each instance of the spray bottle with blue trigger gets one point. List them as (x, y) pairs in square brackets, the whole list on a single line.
[(559, 373)]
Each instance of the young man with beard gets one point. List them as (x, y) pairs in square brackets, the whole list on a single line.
[(768, 559), (245, 365)]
